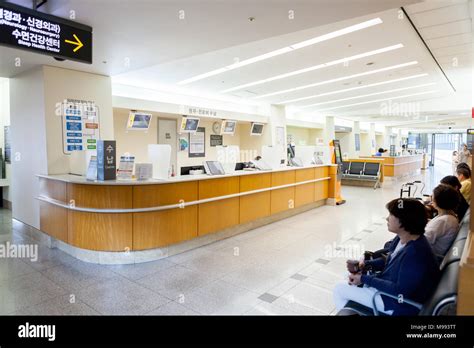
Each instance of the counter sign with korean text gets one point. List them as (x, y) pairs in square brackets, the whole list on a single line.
[(39, 32)]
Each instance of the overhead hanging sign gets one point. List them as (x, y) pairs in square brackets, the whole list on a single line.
[(42, 33)]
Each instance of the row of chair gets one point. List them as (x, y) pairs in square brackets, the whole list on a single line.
[(444, 298), (364, 171)]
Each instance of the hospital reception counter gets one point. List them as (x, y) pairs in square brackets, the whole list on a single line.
[(134, 215), (396, 166)]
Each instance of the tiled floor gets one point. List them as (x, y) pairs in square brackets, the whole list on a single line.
[(286, 268)]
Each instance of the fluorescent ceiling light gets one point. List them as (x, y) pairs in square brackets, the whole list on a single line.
[(353, 88), (379, 100), (369, 95), (287, 49), (316, 67), (336, 80)]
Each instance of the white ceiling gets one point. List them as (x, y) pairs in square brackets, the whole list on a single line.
[(163, 50), (149, 32)]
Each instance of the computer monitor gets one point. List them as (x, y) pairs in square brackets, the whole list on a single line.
[(337, 151), (228, 127), (189, 124), (138, 121), (256, 129)]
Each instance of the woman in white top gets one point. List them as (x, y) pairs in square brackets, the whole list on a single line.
[(442, 230)]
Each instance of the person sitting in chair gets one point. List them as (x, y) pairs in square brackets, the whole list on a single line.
[(463, 206), (409, 272), (442, 229)]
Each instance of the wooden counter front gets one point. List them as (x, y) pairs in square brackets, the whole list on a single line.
[(124, 228)]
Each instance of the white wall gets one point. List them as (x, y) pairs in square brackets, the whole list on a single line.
[(29, 150), (133, 142), (305, 136), (60, 84), (365, 146), (5, 121), (345, 142), (210, 151)]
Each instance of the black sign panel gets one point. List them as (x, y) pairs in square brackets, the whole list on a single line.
[(38, 32)]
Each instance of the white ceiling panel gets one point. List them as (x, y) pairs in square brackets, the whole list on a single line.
[(448, 29), (441, 15), (448, 41)]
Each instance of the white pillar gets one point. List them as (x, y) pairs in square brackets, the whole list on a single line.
[(373, 140), (329, 130), (386, 137), (277, 127), (355, 140)]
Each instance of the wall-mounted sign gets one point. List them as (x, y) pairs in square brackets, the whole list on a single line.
[(8, 144), (80, 125), (357, 141), (195, 111), (42, 33), (197, 143), (216, 140)]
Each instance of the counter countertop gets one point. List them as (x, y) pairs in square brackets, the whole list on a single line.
[(77, 179)]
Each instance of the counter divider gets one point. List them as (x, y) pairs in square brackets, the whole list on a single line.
[(172, 206)]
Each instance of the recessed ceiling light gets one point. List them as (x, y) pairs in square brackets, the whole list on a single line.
[(287, 49), (369, 95), (370, 63), (352, 88), (316, 67), (337, 79), (379, 100)]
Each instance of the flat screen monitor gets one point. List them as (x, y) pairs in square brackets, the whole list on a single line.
[(228, 127), (138, 121), (189, 124), (256, 129), (337, 151)]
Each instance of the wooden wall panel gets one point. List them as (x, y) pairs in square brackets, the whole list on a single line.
[(162, 228), (145, 196), (321, 172), (218, 187), (255, 182), (53, 221), (101, 196), (283, 178), (282, 199), (215, 216), (304, 174), (304, 194), (321, 190), (53, 189), (101, 232), (255, 206)]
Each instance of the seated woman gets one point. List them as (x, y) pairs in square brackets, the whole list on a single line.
[(441, 230), (463, 206), (410, 270)]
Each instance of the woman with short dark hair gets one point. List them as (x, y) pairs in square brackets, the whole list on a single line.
[(442, 229), (463, 206), (409, 272)]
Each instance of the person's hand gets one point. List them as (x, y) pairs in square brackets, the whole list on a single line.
[(354, 279)]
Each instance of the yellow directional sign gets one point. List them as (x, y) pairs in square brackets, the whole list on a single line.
[(78, 42)]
